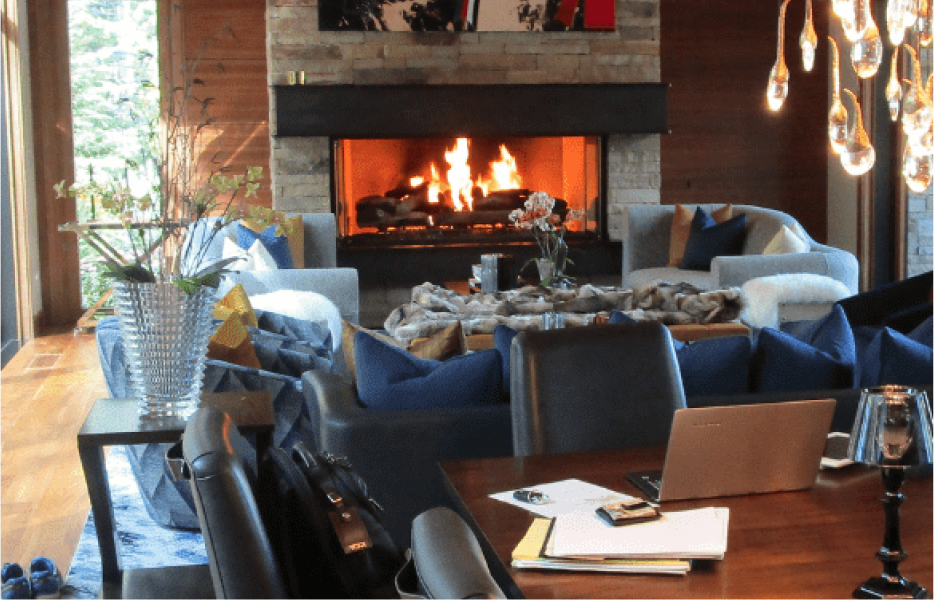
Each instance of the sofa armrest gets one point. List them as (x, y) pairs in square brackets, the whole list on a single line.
[(340, 286), (734, 271), (646, 237), (397, 452)]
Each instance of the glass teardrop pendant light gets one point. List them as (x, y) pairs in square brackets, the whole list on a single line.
[(895, 21), (916, 106), (777, 90), (845, 11), (862, 16), (858, 155), (925, 27), (916, 168), (836, 119), (866, 53), (893, 90), (808, 39)]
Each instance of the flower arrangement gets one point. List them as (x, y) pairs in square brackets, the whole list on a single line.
[(193, 184), (549, 230)]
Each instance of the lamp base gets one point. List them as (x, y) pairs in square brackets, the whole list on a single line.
[(881, 587)]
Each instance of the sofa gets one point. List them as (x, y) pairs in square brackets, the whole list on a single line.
[(320, 274), (647, 233)]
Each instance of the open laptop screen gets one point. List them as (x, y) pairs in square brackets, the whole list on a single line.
[(741, 449)]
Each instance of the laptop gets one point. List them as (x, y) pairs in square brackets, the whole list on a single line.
[(741, 449)]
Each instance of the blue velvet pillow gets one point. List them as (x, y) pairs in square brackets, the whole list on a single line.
[(893, 358), (502, 341), (391, 378), (782, 363), (706, 241), (923, 333), (831, 334), (309, 332), (617, 316), (277, 246), (715, 366)]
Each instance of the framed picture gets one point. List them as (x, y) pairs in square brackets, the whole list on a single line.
[(467, 15)]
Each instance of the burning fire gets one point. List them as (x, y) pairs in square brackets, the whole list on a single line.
[(503, 176)]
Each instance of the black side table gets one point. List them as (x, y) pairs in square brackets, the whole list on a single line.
[(113, 422)]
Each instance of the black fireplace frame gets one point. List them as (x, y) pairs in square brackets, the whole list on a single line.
[(460, 110)]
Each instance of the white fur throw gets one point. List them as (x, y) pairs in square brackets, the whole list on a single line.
[(761, 296)]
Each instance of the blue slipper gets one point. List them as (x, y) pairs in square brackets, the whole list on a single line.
[(46, 580), (15, 582)]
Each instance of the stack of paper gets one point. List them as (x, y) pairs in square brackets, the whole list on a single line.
[(573, 537), (536, 548), (688, 534)]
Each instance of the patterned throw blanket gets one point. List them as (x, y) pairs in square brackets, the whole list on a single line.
[(433, 307)]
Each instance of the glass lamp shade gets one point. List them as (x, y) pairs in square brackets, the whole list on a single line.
[(866, 53), (892, 428)]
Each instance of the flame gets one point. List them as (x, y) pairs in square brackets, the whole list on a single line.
[(434, 188), (504, 175), (459, 174)]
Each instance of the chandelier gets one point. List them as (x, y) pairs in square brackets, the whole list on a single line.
[(911, 99)]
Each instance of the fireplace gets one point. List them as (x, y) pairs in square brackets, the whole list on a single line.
[(429, 191), (415, 165)]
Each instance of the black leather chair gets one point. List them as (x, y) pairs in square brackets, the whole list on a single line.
[(242, 561), (591, 388), (397, 451)]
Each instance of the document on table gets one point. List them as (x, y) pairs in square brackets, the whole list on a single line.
[(569, 495), (532, 553), (689, 534)]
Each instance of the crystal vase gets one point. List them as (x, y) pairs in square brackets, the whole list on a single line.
[(165, 338)]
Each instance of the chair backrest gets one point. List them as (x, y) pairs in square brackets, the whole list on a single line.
[(591, 388), (242, 561)]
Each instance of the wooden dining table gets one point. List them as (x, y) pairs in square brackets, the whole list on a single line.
[(815, 543)]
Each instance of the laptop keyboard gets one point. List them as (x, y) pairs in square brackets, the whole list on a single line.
[(648, 482)]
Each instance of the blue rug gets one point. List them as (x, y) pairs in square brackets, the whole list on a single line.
[(143, 543)]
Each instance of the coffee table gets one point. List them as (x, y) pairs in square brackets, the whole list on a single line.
[(115, 421)]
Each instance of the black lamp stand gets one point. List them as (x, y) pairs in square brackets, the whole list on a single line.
[(891, 584)]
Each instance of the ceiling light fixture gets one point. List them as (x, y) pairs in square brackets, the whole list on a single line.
[(912, 99)]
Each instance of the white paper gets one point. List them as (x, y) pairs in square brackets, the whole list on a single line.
[(699, 533), (567, 496)]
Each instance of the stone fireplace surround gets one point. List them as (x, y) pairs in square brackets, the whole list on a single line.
[(301, 166)]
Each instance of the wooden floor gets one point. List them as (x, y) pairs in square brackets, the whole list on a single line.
[(46, 391)]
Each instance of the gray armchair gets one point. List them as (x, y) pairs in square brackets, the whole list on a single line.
[(397, 451), (647, 231), (321, 273)]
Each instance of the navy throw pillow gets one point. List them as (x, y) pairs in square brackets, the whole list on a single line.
[(502, 341), (707, 241), (391, 378), (893, 358), (617, 317), (823, 359), (923, 333), (715, 366), (276, 245)]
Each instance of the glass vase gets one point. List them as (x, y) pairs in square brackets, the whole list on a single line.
[(165, 338)]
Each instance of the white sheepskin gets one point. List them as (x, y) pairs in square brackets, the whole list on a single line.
[(761, 296), (307, 306)]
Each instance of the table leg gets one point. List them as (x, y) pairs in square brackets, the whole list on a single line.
[(95, 475)]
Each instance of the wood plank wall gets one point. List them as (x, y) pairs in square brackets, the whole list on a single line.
[(725, 145), (54, 161), (233, 68)]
